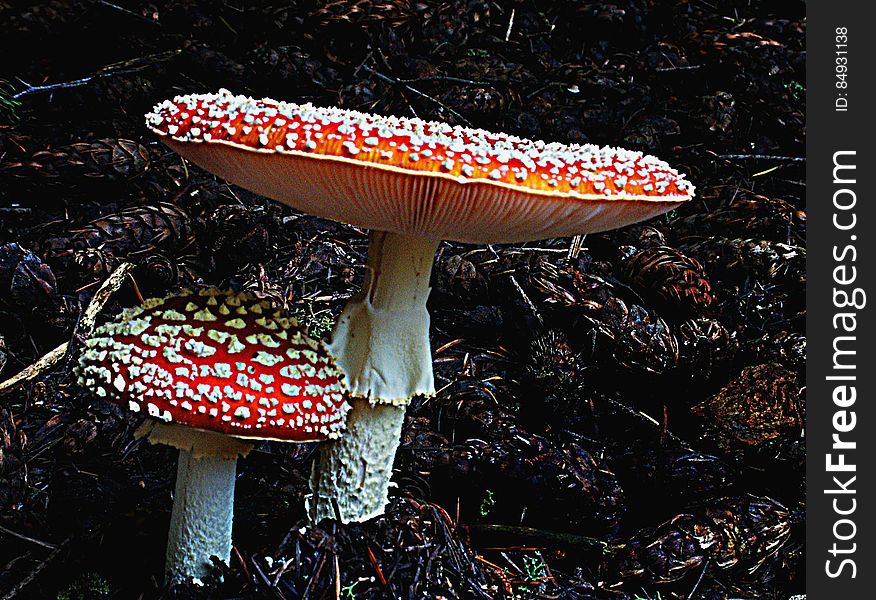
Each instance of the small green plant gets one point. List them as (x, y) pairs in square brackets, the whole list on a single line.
[(736, 21), (530, 577), (534, 568), (668, 217), (795, 88), (89, 586), (648, 596), (8, 104), (347, 591), (487, 504), (318, 322)]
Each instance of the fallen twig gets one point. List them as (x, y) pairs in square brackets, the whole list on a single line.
[(120, 68), (649, 419), (546, 538), (576, 246), (763, 157), (26, 538), (41, 366), (510, 26), (130, 13), (529, 303), (413, 90), (679, 68), (101, 296), (86, 324), (16, 589)]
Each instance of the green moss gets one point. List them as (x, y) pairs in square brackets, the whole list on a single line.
[(8, 104), (89, 586), (487, 504), (796, 89)]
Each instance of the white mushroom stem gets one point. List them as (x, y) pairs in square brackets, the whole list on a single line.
[(203, 501), (381, 342), (203, 512)]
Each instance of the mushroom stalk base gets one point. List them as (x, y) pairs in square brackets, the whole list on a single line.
[(353, 473), (203, 511), (381, 342)]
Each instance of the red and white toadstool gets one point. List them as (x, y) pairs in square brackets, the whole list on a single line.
[(216, 369), (413, 183)]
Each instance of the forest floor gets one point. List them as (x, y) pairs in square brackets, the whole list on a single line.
[(618, 417)]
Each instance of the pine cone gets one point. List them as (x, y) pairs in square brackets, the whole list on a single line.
[(645, 342), (640, 236), (394, 13), (675, 475), (132, 234), (214, 68), (759, 282), (637, 339), (705, 346), (555, 283), (443, 26), (25, 280), (94, 264), (29, 285), (39, 19), (749, 215), (736, 535), (567, 479), (242, 234), (415, 542), (552, 390), (130, 90), (733, 260), (480, 100), (763, 403), (552, 359), (718, 111), (783, 347), (107, 159), (678, 281), (459, 278)]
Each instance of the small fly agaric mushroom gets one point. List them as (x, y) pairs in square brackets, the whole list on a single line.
[(413, 183), (217, 370)]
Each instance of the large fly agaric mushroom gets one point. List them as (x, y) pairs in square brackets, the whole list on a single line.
[(413, 183), (216, 370)]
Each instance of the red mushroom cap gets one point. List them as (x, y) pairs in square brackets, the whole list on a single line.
[(416, 177), (217, 361)]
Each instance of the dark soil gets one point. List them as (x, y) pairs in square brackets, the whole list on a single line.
[(618, 416)]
